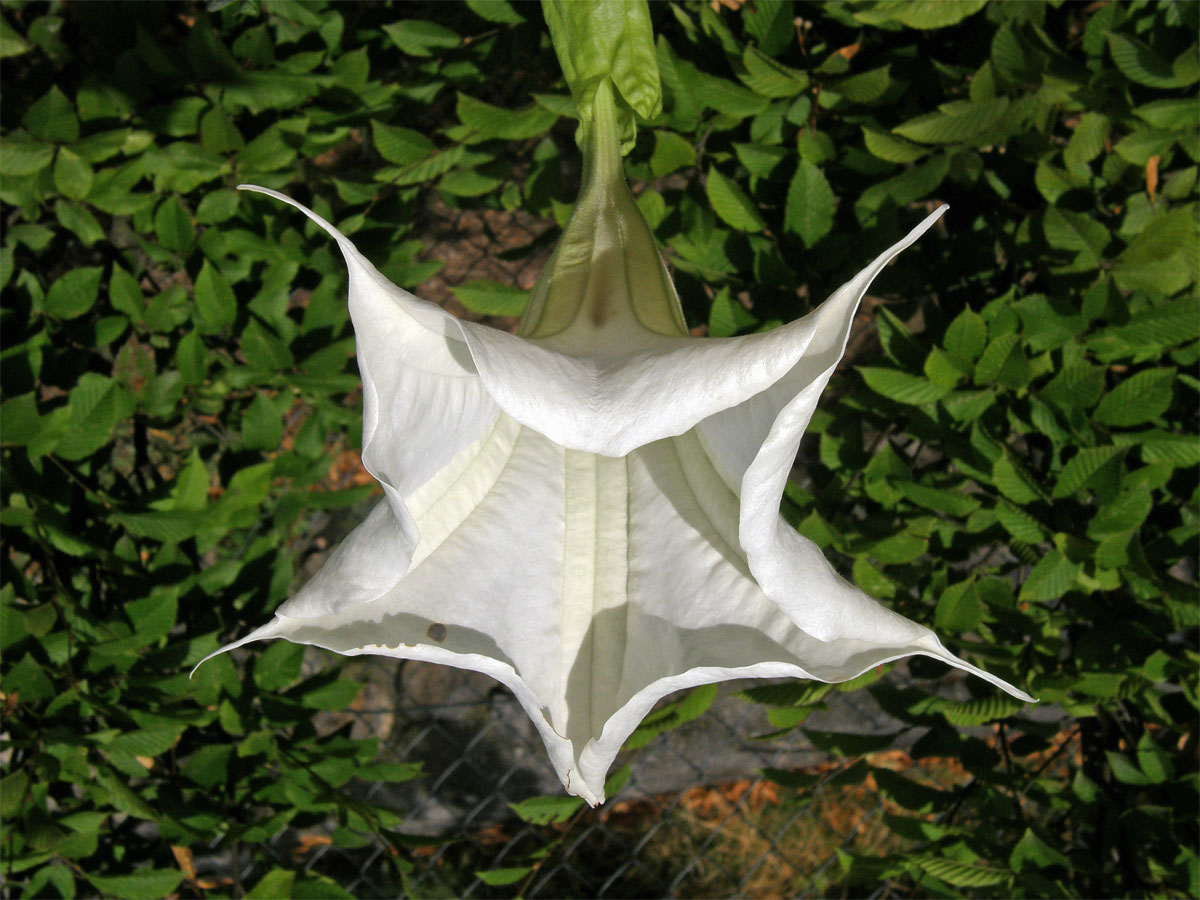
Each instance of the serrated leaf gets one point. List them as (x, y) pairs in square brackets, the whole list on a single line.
[(1075, 387), (727, 317), (923, 14), (215, 300), (810, 204), (996, 357), (1087, 140), (960, 874), (1066, 230), (959, 608), (1019, 523), (731, 203), (1082, 466), (1139, 398), (546, 810), (1014, 481), (901, 386), (966, 336), (505, 124), (173, 225), (952, 503), (959, 121), (768, 78), (891, 148), (96, 405), (74, 294), (1052, 577), (1141, 64), (971, 713)]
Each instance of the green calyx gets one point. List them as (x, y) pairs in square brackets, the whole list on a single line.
[(606, 279), (607, 40)]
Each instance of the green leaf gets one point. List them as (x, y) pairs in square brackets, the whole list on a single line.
[(78, 218), (1076, 232), (1121, 515), (890, 148), (1139, 398), (24, 157), (1013, 480), (611, 41), (768, 78), (731, 204), (1002, 362), (959, 608), (275, 884), (173, 225), (966, 336), (959, 121), (140, 885), (74, 294), (490, 298), (547, 810), (952, 503), (1075, 387), (672, 152), (727, 316), (400, 145), (72, 174), (810, 204), (52, 118), (501, 12), (1087, 140), (1175, 114), (770, 23), (1124, 770), (501, 877), (1052, 577), (332, 695), (923, 14), (960, 874), (901, 386), (971, 713), (1019, 523), (12, 44), (418, 37), (262, 426), (1031, 852), (505, 124), (1141, 64), (1082, 466), (215, 300)]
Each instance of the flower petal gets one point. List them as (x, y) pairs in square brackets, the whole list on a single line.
[(423, 403)]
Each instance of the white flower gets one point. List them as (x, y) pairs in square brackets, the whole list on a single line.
[(589, 512)]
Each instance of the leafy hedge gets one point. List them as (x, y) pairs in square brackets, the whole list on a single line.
[(1016, 465)]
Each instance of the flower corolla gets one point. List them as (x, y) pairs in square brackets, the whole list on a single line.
[(588, 511)]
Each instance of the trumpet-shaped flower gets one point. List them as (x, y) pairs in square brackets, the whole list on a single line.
[(588, 511)]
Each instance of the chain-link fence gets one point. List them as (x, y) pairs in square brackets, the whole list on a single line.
[(696, 818)]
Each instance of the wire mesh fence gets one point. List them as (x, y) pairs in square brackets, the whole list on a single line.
[(696, 817)]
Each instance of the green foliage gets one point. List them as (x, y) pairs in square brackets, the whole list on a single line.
[(1017, 465)]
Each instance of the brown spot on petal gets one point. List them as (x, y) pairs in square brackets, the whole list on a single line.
[(436, 632)]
